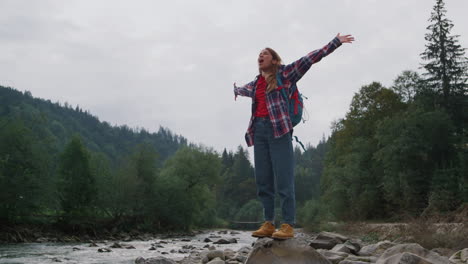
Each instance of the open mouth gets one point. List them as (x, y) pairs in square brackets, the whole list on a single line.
[(260, 61)]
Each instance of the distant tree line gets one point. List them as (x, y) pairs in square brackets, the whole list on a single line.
[(400, 150)]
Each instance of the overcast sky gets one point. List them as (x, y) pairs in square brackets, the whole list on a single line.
[(172, 63)]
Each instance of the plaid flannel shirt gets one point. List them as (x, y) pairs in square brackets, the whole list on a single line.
[(276, 104)]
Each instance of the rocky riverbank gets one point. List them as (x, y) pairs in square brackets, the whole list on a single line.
[(324, 248)]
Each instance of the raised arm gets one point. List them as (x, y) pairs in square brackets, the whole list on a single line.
[(294, 71), (246, 90)]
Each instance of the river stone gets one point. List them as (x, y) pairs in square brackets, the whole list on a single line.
[(324, 244), (207, 240), (406, 252), (406, 258), (341, 248), (353, 246), (333, 257), (291, 251), (212, 254), (331, 236), (222, 241), (157, 260), (460, 257), (367, 259), (346, 261), (104, 250), (216, 261), (376, 249)]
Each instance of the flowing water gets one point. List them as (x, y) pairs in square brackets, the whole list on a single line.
[(82, 253)]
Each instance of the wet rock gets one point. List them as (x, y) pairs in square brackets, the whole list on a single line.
[(185, 240), (341, 248), (173, 251), (206, 246), (235, 233), (116, 245), (216, 261), (152, 248), (460, 257), (376, 249), (324, 244), (447, 252), (293, 250), (331, 236), (410, 253), (93, 245), (56, 260), (223, 232), (333, 257), (365, 259), (104, 250), (212, 248), (183, 251), (76, 249), (157, 260), (222, 241), (212, 254), (353, 246), (207, 240)]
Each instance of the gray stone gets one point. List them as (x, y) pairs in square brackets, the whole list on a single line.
[(217, 261), (291, 251), (341, 248), (324, 244), (406, 252), (406, 258), (157, 260), (353, 246), (207, 240), (346, 261), (367, 259), (104, 250), (460, 257), (376, 249), (331, 236), (333, 257), (222, 241), (212, 254)]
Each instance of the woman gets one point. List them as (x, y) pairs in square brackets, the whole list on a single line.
[(270, 132)]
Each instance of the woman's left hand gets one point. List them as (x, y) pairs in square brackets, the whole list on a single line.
[(345, 38)]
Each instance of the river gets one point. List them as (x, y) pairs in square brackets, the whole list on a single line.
[(174, 248)]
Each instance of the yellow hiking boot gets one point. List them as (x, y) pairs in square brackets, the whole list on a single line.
[(266, 230), (286, 231)]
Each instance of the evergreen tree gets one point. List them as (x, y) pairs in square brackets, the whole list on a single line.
[(77, 184), (446, 69)]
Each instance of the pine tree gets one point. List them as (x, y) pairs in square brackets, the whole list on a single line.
[(446, 67)]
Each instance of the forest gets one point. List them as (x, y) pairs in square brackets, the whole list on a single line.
[(399, 151)]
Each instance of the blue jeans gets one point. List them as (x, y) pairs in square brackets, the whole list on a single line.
[(274, 162)]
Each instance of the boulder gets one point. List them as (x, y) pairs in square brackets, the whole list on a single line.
[(291, 251), (157, 260), (406, 258), (216, 261), (341, 248), (406, 252), (212, 254), (333, 257), (331, 236), (324, 244), (376, 249), (460, 257)]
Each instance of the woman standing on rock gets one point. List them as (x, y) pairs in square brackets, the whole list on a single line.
[(270, 132)]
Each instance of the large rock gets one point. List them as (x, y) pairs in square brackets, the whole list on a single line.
[(331, 236), (406, 258), (405, 253), (324, 244), (376, 249), (291, 251), (333, 257), (157, 260), (460, 257)]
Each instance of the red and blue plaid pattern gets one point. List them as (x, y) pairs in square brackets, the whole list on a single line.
[(276, 104)]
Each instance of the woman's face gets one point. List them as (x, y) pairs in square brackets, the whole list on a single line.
[(265, 60)]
